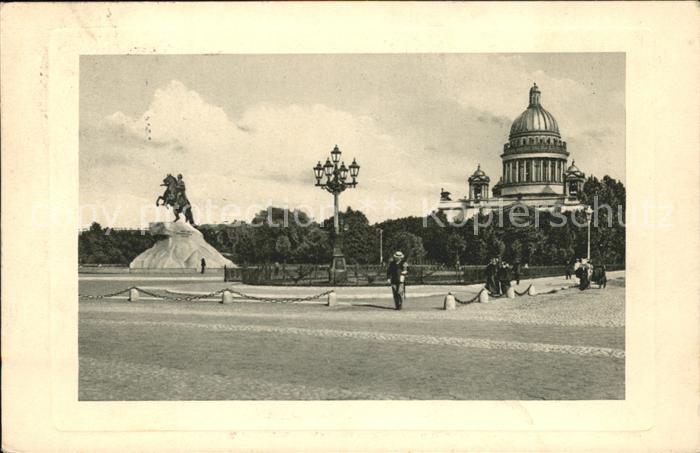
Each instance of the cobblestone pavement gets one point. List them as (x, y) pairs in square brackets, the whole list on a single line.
[(566, 345), (602, 308), (165, 383), (380, 336)]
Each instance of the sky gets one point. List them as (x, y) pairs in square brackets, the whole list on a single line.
[(246, 130)]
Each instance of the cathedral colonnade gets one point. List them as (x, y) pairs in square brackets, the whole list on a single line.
[(539, 169)]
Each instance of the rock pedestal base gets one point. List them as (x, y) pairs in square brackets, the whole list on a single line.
[(183, 248)]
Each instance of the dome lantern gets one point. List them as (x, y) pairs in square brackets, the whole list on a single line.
[(534, 96)]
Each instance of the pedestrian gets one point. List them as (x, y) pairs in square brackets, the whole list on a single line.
[(516, 272), (603, 277), (396, 275), (276, 270), (568, 270), (203, 264), (490, 277), (504, 277), (584, 276)]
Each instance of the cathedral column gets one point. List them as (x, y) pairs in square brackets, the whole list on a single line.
[(560, 167), (552, 171), (541, 176), (563, 167), (526, 170)]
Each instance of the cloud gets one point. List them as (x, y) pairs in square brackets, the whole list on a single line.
[(265, 156)]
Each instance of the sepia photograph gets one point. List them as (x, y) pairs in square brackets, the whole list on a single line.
[(352, 227)]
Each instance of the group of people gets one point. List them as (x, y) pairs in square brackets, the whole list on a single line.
[(586, 271), (499, 275)]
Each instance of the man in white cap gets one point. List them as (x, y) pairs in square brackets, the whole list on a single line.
[(396, 275)]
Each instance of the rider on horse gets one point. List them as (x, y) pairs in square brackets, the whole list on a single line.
[(175, 197)]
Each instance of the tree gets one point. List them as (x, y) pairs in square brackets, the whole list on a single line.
[(456, 246), (496, 247), (283, 247), (608, 199), (360, 241), (410, 244), (315, 247), (244, 250)]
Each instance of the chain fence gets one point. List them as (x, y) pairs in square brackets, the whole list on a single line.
[(499, 296), (184, 297)]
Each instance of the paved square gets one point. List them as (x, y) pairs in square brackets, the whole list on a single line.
[(563, 346)]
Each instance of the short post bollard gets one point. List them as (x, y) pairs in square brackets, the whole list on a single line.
[(226, 297), (133, 295), (532, 291), (332, 299), (483, 296), (450, 302), (510, 292)]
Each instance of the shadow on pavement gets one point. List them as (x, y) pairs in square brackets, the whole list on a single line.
[(384, 307)]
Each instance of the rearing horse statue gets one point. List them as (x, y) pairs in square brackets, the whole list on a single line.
[(176, 199)]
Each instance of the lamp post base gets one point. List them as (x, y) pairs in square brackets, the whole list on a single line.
[(338, 271)]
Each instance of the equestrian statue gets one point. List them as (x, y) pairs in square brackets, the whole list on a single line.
[(174, 196)]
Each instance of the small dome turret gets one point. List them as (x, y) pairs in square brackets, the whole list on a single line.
[(479, 175)]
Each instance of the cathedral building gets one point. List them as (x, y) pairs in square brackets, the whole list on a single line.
[(535, 171)]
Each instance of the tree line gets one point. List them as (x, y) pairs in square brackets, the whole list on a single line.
[(278, 235)]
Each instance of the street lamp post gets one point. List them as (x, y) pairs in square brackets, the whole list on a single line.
[(336, 174), (589, 217), (381, 258)]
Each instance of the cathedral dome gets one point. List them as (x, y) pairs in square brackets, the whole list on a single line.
[(535, 119), (573, 168)]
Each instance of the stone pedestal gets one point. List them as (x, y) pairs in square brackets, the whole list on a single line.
[(450, 302), (183, 248), (338, 272), (332, 299), (226, 297), (484, 296)]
